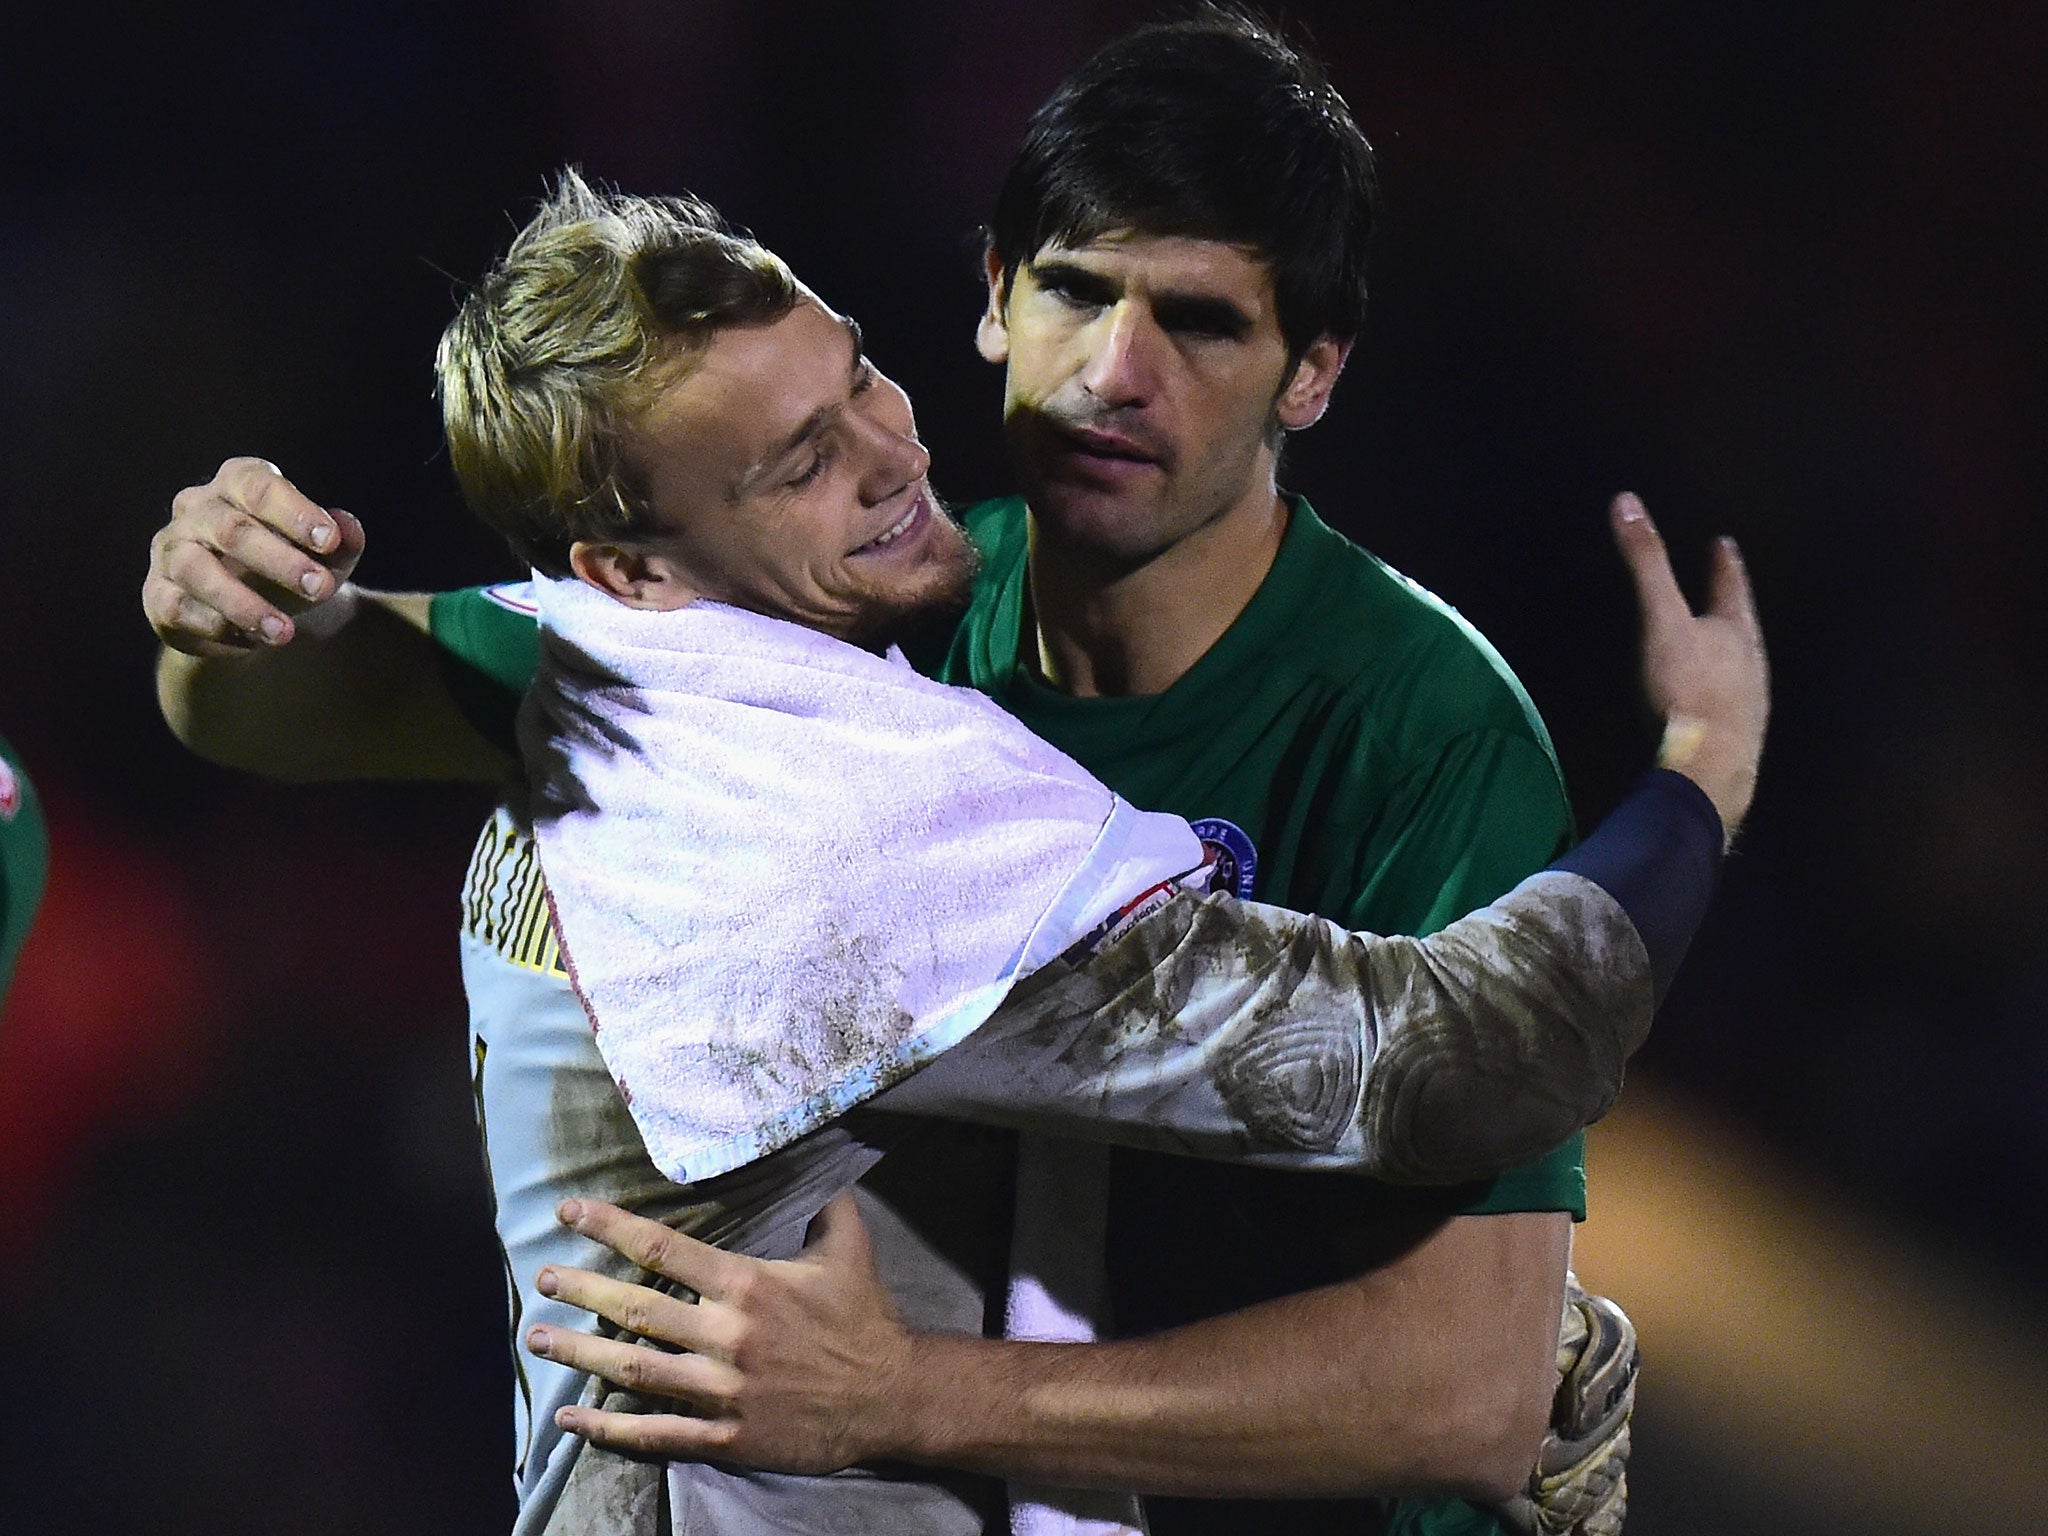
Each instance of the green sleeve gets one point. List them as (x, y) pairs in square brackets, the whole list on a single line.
[(488, 654), (1462, 829)]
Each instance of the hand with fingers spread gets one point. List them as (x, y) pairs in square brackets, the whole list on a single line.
[(241, 558), (790, 1365), (1705, 674)]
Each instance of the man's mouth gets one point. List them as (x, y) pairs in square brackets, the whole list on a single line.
[(910, 522), (1108, 451)]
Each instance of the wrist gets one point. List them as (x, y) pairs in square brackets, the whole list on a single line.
[(915, 1412), (1724, 769)]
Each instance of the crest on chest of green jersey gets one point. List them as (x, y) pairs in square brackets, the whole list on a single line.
[(1235, 856)]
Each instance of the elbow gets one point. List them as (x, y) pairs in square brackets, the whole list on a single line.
[(1438, 1116)]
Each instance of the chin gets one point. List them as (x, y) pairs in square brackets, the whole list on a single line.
[(1100, 523), (938, 589)]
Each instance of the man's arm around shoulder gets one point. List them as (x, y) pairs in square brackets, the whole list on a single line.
[(276, 663)]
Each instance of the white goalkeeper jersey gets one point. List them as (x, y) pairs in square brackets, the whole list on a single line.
[(553, 1125)]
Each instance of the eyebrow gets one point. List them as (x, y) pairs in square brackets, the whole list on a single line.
[(1201, 312), (1083, 280), (809, 427)]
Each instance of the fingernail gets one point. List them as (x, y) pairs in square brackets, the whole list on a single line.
[(565, 1418), (544, 1282), (272, 627), (1628, 508), (537, 1342), (569, 1212), (1734, 549), (321, 536), (312, 582)]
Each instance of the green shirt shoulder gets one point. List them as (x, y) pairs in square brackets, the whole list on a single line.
[(487, 640), (1394, 772)]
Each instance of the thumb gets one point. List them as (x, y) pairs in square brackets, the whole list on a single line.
[(837, 1234), (350, 548)]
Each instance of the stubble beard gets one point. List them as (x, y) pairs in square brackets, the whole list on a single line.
[(946, 584)]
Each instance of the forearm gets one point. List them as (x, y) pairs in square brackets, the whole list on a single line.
[(1230, 1030), (357, 694), (1430, 1375)]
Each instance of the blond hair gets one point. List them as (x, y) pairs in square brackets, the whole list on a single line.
[(602, 300)]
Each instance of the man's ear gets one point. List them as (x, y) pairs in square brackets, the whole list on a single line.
[(1307, 394), (992, 336), (637, 577)]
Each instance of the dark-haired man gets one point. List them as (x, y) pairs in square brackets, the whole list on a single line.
[(1175, 277)]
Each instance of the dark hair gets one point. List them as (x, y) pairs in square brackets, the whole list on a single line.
[(1212, 127)]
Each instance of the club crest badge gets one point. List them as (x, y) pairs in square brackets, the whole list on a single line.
[(1237, 860), (10, 791)]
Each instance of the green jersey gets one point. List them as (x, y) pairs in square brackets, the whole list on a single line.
[(1355, 749), (24, 857), (1349, 747)]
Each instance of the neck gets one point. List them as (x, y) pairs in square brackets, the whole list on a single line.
[(1105, 629)]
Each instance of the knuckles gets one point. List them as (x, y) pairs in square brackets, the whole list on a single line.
[(181, 561), (660, 1253), (636, 1315), (252, 480), (742, 1289), (718, 1434), (638, 1369)]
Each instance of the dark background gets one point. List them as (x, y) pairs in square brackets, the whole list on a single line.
[(1779, 269)]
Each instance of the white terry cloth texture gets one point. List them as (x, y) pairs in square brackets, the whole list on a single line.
[(787, 872)]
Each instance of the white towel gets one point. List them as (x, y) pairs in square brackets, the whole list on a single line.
[(786, 872)]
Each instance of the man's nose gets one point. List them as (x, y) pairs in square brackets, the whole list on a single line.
[(893, 460), (1119, 368)]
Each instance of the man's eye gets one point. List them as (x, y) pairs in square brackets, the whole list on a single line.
[(809, 472), (865, 379)]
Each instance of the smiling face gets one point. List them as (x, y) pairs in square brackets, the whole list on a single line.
[(785, 476), (1147, 387)]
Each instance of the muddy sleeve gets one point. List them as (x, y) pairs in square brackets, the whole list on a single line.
[(1226, 1029)]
